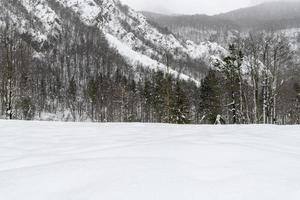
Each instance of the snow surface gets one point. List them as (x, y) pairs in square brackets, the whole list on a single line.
[(42, 11), (87, 9), (85, 161), (137, 59)]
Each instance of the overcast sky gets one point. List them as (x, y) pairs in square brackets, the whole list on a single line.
[(190, 6)]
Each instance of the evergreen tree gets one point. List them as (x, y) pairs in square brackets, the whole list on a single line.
[(71, 94), (230, 67), (167, 93), (159, 96), (297, 103), (180, 107), (210, 98), (92, 94), (147, 100)]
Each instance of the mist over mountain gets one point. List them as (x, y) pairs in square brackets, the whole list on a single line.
[(188, 6), (265, 16), (276, 15)]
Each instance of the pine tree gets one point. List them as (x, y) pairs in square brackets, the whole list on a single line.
[(297, 103), (71, 94), (147, 101), (92, 94), (180, 108), (167, 94), (210, 98), (230, 67), (159, 96)]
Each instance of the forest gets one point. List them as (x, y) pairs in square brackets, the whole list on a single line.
[(81, 78)]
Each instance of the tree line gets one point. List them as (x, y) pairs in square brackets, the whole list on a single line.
[(81, 78), (261, 77)]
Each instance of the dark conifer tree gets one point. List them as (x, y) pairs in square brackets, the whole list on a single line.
[(210, 98), (159, 96), (230, 67), (71, 96), (180, 106)]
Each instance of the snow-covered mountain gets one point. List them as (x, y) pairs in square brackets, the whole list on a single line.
[(35, 20), (141, 43), (273, 15)]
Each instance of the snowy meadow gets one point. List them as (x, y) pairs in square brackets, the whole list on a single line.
[(91, 161)]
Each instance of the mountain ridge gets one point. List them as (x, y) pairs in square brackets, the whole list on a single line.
[(269, 16), (39, 21), (241, 18)]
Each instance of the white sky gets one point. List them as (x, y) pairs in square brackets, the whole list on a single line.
[(190, 6)]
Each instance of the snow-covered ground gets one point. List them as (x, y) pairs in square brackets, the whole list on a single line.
[(84, 161)]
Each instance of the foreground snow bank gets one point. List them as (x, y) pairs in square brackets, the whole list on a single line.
[(77, 161)]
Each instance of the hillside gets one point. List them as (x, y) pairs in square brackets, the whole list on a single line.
[(220, 28), (92, 60), (276, 15), (139, 42), (197, 28)]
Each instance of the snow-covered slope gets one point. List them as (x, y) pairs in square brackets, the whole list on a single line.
[(294, 36), (138, 59), (34, 19), (62, 161), (117, 21)]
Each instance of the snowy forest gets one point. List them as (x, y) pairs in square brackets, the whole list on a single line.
[(83, 79), (80, 77)]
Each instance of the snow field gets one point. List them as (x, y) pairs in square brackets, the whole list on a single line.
[(86, 161)]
